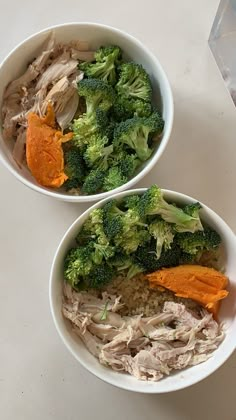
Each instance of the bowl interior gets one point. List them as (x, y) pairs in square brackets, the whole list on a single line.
[(96, 35), (182, 378)]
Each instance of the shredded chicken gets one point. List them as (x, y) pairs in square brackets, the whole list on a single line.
[(51, 77), (148, 348)]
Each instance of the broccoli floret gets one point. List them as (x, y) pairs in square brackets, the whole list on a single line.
[(100, 275), (124, 263), (86, 126), (120, 260), (95, 224), (131, 238), (114, 179), (186, 258), (192, 243), (105, 123), (125, 108), (102, 252), (136, 132), (97, 150), (112, 222), (103, 53), (128, 164), (105, 66), (132, 202), (93, 232), (75, 168), (145, 256), (124, 228), (78, 263), (163, 233), (134, 82), (97, 94), (152, 203), (94, 181), (192, 209)]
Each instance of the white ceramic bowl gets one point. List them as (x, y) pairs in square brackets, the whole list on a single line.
[(96, 35), (183, 378)]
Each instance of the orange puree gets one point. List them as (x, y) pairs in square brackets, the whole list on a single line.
[(44, 152)]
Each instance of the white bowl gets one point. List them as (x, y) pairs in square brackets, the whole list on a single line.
[(96, 35), (183, 378)]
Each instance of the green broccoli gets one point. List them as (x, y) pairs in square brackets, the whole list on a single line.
[(97, 151), (94, 224), (94, 181), (92, 232), (86, 126), (132, 202), (78, 263), (136, 132), (75, 168), (99, 276), (102, 252), (163, 233), (192, 209), (193, 243), (187, 258), (124, 263), (128, 165), (114, 179), (152, 202), (103, 53), (146, 257), (124, 228), (126, 108), (112, 222), (97, 94), (131, 237), (134, 82), (105, 66)]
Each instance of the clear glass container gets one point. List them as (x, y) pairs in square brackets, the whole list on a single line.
[(222, 42)]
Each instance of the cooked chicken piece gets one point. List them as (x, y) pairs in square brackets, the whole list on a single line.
[(159, 319), (143, 366), (19, 147), (42, 59), (24, 80), (79, 45), (82, 55), (93, 344), (62, 66), (109, 359), (63, 94), (207, 346), (9, 125), (147, 348), (111, 318), (199, 358), (180, 313), (33, 70), (28, 98), (104, 331), (65, 116), (138, 343), (182, 361)]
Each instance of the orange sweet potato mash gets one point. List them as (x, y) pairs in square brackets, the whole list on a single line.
[(44, 154), (203, 284)]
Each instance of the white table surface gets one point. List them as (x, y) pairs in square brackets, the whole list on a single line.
[(39, 379)]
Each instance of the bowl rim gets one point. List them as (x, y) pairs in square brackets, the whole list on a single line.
[(153, 159), (135, 388)]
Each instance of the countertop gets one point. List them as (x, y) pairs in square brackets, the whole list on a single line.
[(39, 379)]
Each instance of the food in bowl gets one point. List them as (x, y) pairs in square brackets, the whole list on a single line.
[(83, 121), (143, 284)]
